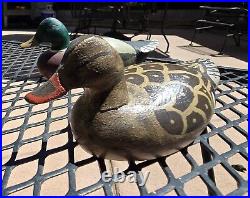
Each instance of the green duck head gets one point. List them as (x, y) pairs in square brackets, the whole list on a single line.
[(50, 30)]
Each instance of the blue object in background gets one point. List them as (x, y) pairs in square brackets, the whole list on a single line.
[(48, 12)]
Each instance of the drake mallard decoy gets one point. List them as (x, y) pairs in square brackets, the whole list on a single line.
[(145, 111), (51, 30)]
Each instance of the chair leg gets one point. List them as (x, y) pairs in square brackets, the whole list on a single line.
[(237, 39), (165, 37), (163, 27), (223, 45), (149, 36), (194, 34), (225, 41)]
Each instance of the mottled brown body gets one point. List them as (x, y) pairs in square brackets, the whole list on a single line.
[(143, 112), (169, 105)]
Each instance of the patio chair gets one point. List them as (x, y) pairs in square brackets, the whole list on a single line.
[(94, 15), (123, 16), (233, 20)]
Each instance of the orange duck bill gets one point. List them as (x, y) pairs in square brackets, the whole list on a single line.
[(50, 90)]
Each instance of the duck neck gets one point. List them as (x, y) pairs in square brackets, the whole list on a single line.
[(112, 98)]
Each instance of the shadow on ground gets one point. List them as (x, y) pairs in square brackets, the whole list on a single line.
[(214, 40), (209, 39)]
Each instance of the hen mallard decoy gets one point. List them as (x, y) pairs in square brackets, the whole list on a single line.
[(146, 111), (51, 30)]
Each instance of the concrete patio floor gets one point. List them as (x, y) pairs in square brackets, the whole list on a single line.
[(205, 47)]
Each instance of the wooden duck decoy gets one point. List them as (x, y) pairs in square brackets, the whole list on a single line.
[(142, 112), (51, 30)]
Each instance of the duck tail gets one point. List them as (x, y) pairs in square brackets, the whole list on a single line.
[(212, 71), (208, 67), (144, 46)]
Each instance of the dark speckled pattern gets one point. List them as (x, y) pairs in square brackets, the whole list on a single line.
[(178, 88)]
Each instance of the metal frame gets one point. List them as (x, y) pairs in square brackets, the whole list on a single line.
[(18, 65)]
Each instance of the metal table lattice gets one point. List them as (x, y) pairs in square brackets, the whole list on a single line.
[(41, 156)]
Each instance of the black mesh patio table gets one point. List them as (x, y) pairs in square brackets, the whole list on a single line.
[(41, 157)]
